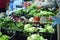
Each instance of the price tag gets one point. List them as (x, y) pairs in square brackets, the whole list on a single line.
[(58, 2)]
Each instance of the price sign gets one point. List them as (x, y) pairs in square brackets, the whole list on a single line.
[(58, 2)]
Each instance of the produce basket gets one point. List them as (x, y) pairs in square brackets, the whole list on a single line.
[(19, 36), (14, 34), (7, 32), (47, 36), (55, 35), (22, 36)]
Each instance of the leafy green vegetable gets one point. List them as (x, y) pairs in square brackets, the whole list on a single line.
[(0, 34), (32, 12), (49, 28), (33, 6), (37, 15), (19, 12), (4, 37), (43, 30), (27, 26), (7, 22), (35, 37), (47, 13), (20, 25), (31, 30)]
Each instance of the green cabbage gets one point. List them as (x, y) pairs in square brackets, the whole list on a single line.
[(35, 37), (27, 26)]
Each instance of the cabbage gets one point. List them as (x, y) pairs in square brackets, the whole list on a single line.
[(32, 29), (27, 26), (43, 30), (0, 34), (49, 28), (29, 38), (35, 37), (4, 37)]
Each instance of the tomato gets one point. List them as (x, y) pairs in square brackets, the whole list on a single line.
[(36, 19)]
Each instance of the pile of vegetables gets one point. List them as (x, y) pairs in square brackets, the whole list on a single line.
[(4, 37), (30, 28), (33, 11), (47, 28), (30, 11), (25, 11), (37, 36), (7, 22), (19, 12), (4, 21)]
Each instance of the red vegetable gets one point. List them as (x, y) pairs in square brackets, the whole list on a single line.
[(36, 19)]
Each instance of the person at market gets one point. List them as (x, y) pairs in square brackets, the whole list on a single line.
[(4, 5)]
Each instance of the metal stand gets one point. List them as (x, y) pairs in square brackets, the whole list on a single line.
[(58, 31)]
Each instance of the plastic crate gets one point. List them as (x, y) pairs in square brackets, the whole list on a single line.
[(55, 35), (7, 32), (47, 36), (19, 36), (12, 33)]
